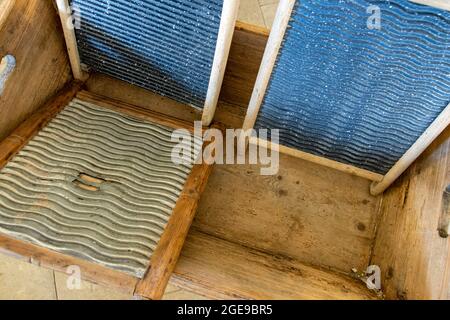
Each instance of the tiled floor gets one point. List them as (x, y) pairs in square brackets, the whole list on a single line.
[(258, 12), (23, 281), (20, 280)]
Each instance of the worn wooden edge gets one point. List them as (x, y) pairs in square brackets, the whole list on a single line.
[(440, 4), (230, 11), (252, 28), (444, 219), (366, 174), (5, 9), (30, 127), (167, 252), (65, 14), (424, 141), (53, 260), (135, 111)]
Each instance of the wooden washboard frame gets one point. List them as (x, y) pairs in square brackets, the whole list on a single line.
[(380, 182), (168, 249), (5, 8), (224, 39), (440, 4)]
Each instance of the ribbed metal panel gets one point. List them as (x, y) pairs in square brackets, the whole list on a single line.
[(355, 95), (166, 46), (132, 187)]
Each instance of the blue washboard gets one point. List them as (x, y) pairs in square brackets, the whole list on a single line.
[(359, 96), (166, 46)]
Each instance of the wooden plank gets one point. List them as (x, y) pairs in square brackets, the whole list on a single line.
[(413, 257), (441, 4), (31, 33), (444, 220), (245, 58), (124, 92), (228, 20), (319, 160), (251, 28), (65, 14), (60, 262), (219, 269), (166, 254), (424, 141), (134, 111), (29, 128), (118, 90), (308, 212), (276, 37)]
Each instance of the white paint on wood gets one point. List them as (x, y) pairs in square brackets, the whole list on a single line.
[(7, 65), (65, 13), (441, 4), (224, 39), (276, 37)]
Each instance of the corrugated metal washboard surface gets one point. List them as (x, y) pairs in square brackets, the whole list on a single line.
[(166, 46), (358, 95), (94, 184)]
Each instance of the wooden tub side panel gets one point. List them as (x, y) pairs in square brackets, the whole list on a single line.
[(413, 257), (31, 32)]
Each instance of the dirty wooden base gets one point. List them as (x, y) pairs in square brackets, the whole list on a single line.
[(219, 269)]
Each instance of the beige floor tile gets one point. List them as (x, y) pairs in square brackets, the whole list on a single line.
[(91, 291), (87, 291), (269, 12), (23, 281), (266, 2), (250, 12)]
